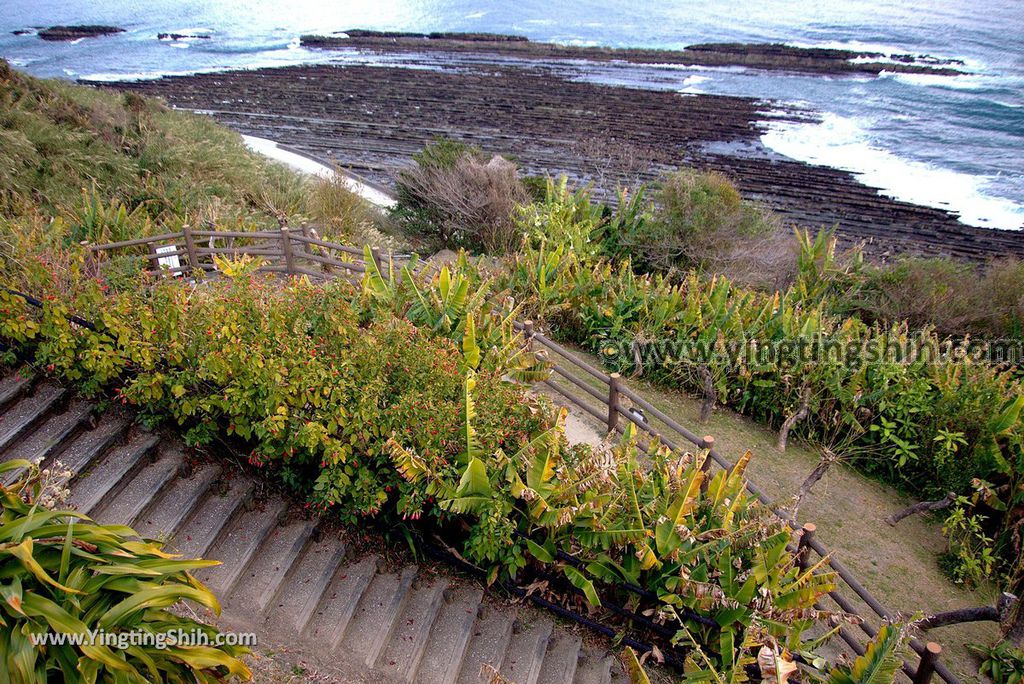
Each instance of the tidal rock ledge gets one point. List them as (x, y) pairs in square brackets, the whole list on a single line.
[(58, 33)]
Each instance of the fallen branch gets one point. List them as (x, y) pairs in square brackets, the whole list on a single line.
[(827, 459), (999, 613), (800, 414), (921, 507), (958, 616)]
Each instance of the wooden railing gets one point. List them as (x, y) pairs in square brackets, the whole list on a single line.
[(597, 393), (190, 252), (602, 399)]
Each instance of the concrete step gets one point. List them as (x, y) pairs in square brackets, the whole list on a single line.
[(298, 596), (104, 476), (561, 658), (54, 433), (238, 542), (140, 490), (491, 634), (16, 384), (375, 617), (404, 650), (595, 666), (24, 415), (161, 519), (334, 613), (525, 654), (450, 635), (257, 585), (111, 428), (213, 513)]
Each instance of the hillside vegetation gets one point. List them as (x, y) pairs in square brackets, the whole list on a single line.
[(404, 401), (690, 285)]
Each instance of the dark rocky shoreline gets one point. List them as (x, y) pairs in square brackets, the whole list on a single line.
[(373, 118), (758, 56), (65, 33)]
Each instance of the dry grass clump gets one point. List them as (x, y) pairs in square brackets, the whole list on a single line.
[(955, 297), (459, 197), (341, 213)]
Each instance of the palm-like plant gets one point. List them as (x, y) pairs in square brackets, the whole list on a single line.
[(61, 572), (880, 662)]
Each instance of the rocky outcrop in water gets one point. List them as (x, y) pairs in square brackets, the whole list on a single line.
[(757, 56), (182, 36), (59, 33)]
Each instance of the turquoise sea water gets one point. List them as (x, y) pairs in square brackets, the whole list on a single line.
[(952, 142)]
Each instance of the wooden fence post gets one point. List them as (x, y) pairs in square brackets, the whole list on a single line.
[(927, 667), (90, 261), (803, 548), (286, 249), (190, 247), (378, 260), (614, 381), (155, 258), (528, 333)]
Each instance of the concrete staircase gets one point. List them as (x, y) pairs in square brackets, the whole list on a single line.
[(295, 584)]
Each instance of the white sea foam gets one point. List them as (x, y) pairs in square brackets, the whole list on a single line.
[(843, 143), (964, 82)]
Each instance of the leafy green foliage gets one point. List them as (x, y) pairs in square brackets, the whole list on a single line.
[(1002, 663), (711, 550), (880, 662), (906, 405), (64, 574), (314, 378)]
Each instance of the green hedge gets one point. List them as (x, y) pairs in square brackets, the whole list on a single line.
[(399, 402)]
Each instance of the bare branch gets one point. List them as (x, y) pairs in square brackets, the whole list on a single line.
[(800, 414), (922, 507), (828, 457)]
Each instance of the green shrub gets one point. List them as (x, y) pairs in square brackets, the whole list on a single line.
[(699, 220), (65, 574), (1002, 663), (957, 298)]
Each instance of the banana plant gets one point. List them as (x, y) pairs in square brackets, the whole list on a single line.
[(64, 573), (879, 664)]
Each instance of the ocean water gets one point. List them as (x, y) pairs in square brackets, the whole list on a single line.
[(950, 142)]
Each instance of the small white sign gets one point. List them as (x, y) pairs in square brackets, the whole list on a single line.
[(169, 261)]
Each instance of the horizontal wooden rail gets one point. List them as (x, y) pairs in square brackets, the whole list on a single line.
[(327, 245), (255, 234), (137, 241)]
